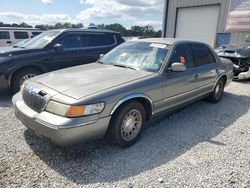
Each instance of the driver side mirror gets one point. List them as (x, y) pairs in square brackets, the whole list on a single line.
[(58, 47), (178, 67)]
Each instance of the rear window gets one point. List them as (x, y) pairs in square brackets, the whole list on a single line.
[(4, 35), (119, 39), (110, 39), (21, 35), (97, 40), (202, 55)]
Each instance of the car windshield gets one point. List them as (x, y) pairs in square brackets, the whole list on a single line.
[(40, 41), (137, 55)]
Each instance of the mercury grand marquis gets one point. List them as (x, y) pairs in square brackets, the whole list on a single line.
[(115, 96)]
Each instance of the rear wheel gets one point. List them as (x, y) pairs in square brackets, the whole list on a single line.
[(217, 93), (127, 124), (21, 76)]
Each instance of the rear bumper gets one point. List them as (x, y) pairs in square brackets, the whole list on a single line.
[(68, 132)]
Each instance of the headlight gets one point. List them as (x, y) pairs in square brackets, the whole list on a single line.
[(74, 111)]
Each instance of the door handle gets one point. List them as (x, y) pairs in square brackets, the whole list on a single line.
[(196, 76), (8, 42)]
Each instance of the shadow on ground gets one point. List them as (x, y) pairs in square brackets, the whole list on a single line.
[(5, 98), (171, 137)]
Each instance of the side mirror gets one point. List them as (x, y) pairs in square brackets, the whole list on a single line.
[(178, 67), (58, 47)]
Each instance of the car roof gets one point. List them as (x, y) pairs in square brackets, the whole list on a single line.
[(168, 41), (87, 30)]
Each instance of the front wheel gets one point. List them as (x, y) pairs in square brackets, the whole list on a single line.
[(21, 76), (127, 124), (217, 93)]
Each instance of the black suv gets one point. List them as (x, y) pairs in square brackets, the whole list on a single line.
[(52, 50)]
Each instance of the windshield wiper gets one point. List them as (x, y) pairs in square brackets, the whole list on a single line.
[(124, 66), (100, 62)]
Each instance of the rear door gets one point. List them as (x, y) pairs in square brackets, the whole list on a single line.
[(5, 38), (205, 66)]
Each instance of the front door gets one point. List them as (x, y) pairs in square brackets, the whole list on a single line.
[(72, 53), (179, 86)]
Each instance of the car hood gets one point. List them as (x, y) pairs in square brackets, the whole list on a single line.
[(85, 80), (9, 51)]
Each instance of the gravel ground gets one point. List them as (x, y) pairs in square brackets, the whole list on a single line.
[(203, 145)]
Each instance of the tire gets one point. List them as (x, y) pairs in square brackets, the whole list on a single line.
[(217, 93), (21, 76), (123, 130)]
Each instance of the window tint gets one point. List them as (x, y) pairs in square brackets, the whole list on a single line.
[(182, 54), (110, 39), (71, 41), (84, 39), (202, 55), (21, 35), (36, 33), (4, 35), (119, 39), (97, 40), (211, 58)]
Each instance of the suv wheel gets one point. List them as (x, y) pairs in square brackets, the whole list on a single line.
[(216, 95), (21, 76), (127, 124)]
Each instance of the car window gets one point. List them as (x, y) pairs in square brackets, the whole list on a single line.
[(182, 54), (211, 58), (21, 35), (71, 41), (97, 40), (85, 39), (110, 39), (36, 33), (202, 55), (119, 39), (4, 35)]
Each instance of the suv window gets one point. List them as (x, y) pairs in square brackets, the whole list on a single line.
[(119, 39), (4, 35), (110, 39), (97, 40), (183, 54), (202, 55), (35, 33), (71, 41), (21, 35)]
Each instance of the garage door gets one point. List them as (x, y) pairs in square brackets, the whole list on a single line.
[(198, 23)]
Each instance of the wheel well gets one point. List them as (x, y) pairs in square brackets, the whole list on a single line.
[(23, 68), (145, 103), (224, 79)]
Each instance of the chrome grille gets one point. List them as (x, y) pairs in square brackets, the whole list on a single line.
[(34, 98)]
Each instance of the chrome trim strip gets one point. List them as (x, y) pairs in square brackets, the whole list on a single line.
[(132, 97)]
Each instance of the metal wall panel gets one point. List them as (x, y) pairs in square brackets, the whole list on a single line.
[(239, 38), (175, 4)]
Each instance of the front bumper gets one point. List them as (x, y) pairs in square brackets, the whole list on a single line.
[(243, 75), (60, 130)]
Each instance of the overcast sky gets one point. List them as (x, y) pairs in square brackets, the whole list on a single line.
[(126, 12)]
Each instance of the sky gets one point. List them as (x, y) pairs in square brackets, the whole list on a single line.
[(126, 12)]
